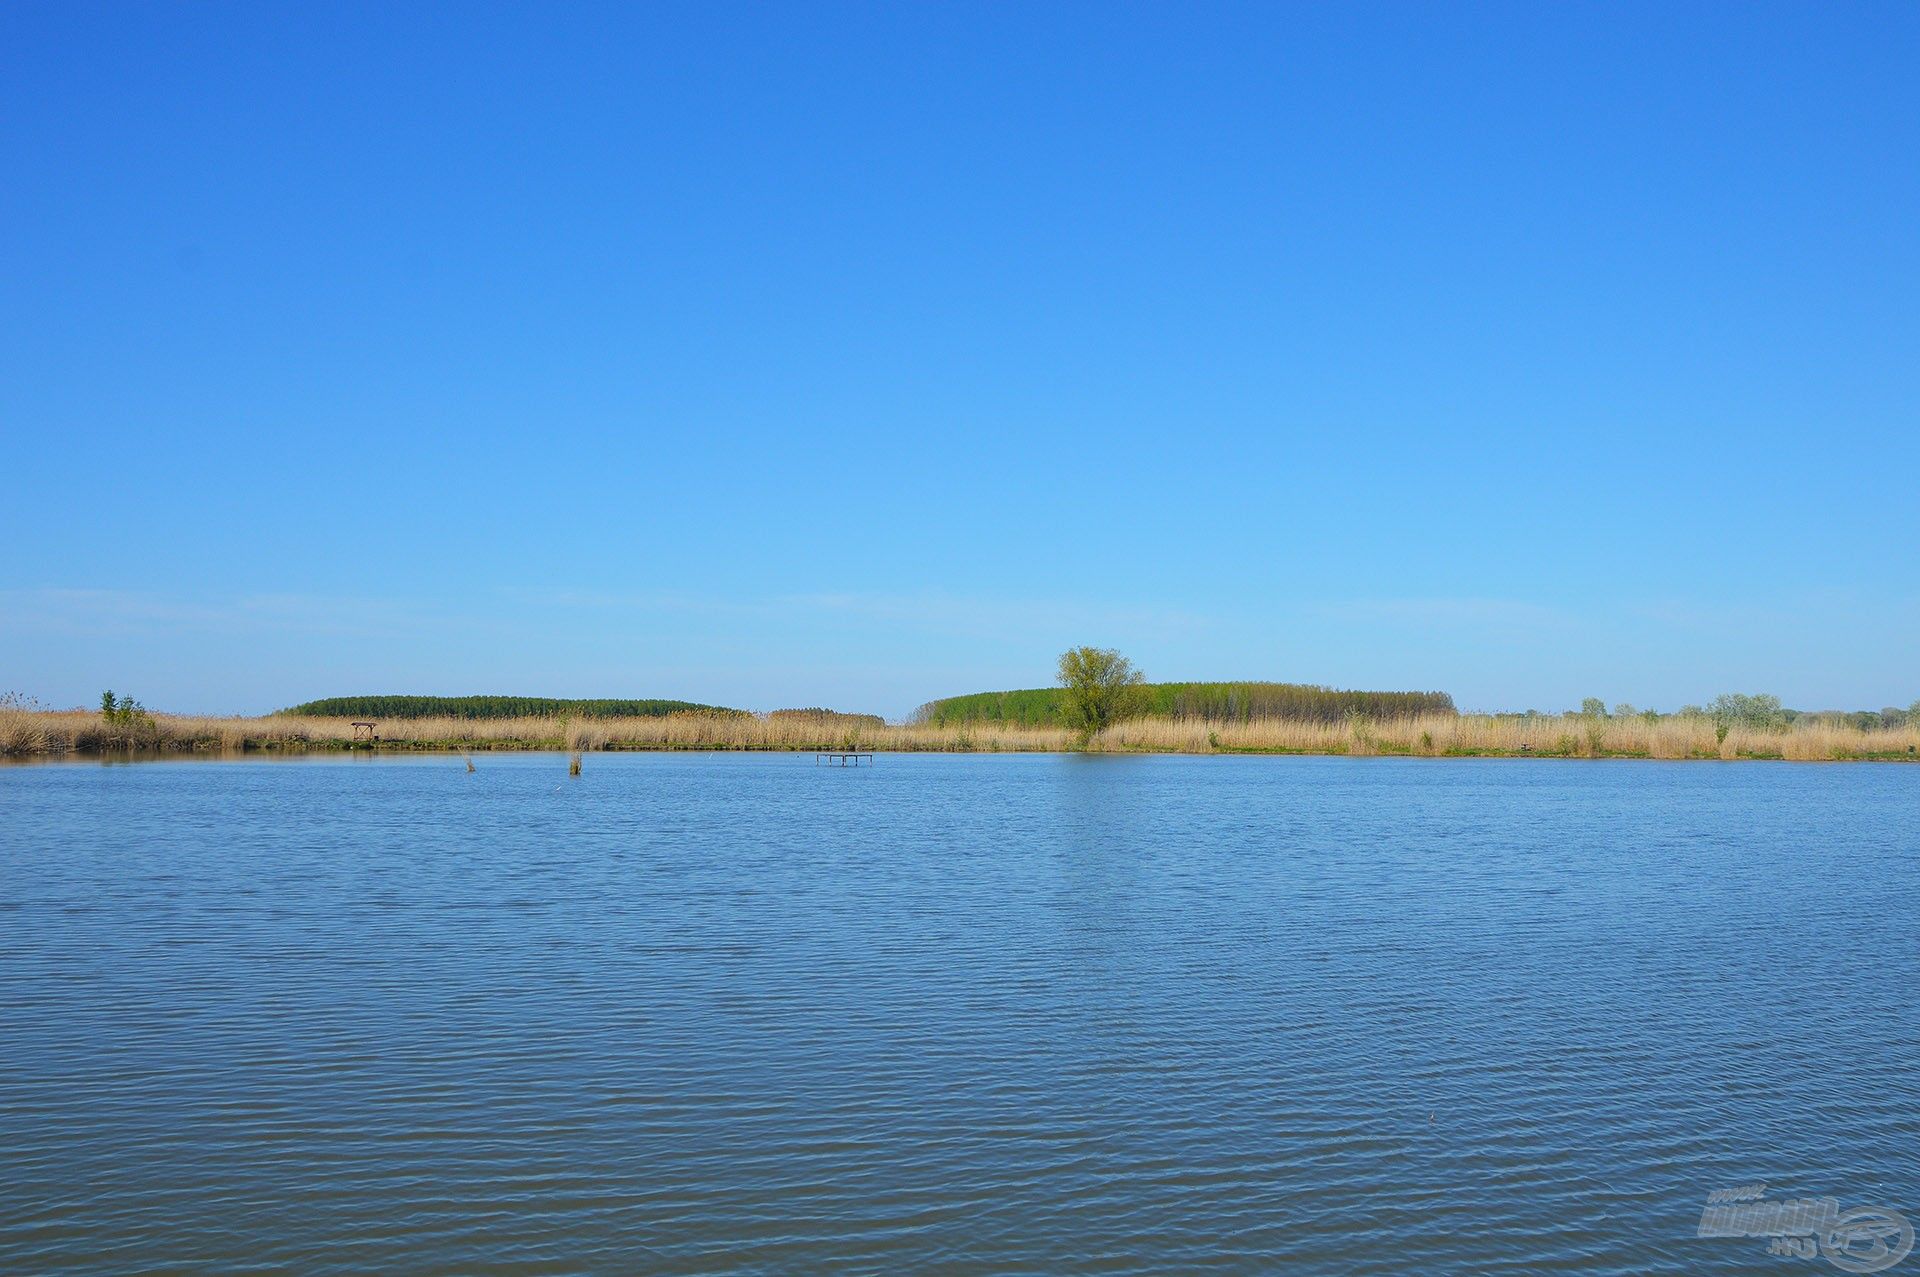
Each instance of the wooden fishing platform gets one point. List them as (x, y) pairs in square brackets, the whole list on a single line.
[(841, 758)]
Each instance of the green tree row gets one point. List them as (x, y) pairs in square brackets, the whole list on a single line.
[(1215, 702)]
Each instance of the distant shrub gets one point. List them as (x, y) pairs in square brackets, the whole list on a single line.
[(125, 721)]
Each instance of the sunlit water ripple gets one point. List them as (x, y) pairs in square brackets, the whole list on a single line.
[(975, 1014)]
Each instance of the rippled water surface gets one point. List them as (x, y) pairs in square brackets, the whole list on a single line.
[(967, 1014)]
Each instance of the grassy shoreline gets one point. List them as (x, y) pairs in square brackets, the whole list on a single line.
[(39, 733)]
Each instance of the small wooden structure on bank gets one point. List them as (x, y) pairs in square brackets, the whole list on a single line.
[(364, 731), (841, 758)]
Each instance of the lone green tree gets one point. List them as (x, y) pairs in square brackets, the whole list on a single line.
[(1102, 687)]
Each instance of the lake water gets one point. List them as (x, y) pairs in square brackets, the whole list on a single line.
[(736, 1013)]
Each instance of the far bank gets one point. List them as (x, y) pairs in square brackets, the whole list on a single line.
[(39, 733)]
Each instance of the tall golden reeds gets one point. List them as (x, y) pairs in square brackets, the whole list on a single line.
[(35, 732)]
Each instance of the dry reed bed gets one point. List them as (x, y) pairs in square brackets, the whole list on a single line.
[(1475, 734), (25, 732)]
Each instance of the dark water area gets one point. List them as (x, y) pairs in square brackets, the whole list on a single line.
[(1045, 1014)]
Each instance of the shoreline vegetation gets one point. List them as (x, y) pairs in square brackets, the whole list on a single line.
[(1103, 704), (34, 732)]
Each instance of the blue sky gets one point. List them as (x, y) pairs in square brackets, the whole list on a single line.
[(781, 355)]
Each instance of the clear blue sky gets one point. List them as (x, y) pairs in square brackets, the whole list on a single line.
[(779, 355)]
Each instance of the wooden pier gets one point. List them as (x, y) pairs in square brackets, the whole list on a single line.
[(841, 758)]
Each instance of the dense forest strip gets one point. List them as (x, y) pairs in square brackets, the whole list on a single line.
[(1248, 702), (377, 707)]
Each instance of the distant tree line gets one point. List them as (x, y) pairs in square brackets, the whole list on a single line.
[(1301, 702), (1030, 707), (1865, 719), (377, 707), (833, 717), (1214, 702)]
